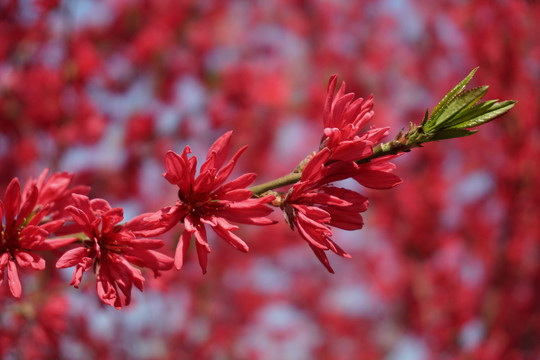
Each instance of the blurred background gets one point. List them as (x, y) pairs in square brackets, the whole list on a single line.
[(448, 263)]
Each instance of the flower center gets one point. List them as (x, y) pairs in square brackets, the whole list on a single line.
[(9, 241)]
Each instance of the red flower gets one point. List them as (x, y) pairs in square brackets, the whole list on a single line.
[(208, 200), (312, 209), (22, 234), (343, 120), (54, 193), (112, 250)]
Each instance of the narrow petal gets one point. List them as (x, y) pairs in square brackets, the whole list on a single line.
[(339, 108), (156, 223), (224, 173), (240, 182), (375, 179), (55, 243), (223, 229), (221, 149), (329, 100), (27, 206), (81, 218), (236, 195), (25, 259), (181, 249), (322, 258), (12, 202), (177, 167), (105, 288), (314, 233), (345, 219), (251, 211), (315, 164), (143, 243), (151, 259), (13, 279), (52, 226), (202, 254), (73, 257), (84, 265), (82, 203), (352, 150), (194, 226), (4, 258)]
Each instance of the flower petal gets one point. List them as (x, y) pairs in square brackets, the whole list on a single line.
[(181, 249), (73, 257), (13, 279)]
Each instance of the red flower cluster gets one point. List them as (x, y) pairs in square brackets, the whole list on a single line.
[(135, 78), (208, 200), (112, 250), (312, 205), (30, 217)]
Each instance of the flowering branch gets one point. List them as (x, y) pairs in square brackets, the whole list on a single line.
[(453, 117), (47, 214)]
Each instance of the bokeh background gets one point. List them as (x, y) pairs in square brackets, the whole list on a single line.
[(448, 263)]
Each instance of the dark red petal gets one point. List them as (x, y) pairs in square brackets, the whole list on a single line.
[(130, 272), (12, 202), (13, 279), (200, 236), (345, 219), (142, 243), (176, 166), (73, 257), (236, 195), (151, 259), (25, 259), (322, 258), (221, 150), (181, 249), (4, 258), (81, 219), (202, 253), (240, 182), (339, 108), (100, 205), (223, 229), (352, 150), (338, 250), (55, 243), (106, 290), (224, 173), (322, 198), (156, 223), (329, 100), (251, 211), (82, 203), (52, 226), (313, 232), (27, 206), (375, 179), (313, 168)]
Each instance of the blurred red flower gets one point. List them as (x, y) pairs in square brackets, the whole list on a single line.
[(112, 250)]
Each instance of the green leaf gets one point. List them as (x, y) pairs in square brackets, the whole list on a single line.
[(426, 118), (456, 90), (451, 134), (476, 119), (470, 113), (459, 103)]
